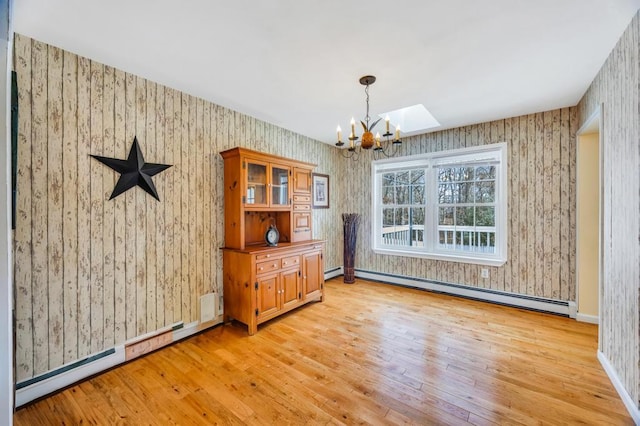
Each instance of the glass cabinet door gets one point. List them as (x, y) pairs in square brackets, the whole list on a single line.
[(256, 184), (279, 186)]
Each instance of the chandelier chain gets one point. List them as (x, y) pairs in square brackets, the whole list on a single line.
[(367, 118)]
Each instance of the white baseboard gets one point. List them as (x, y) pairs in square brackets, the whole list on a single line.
[(511, 299), (591, 319), (632, 407), (76, 371)]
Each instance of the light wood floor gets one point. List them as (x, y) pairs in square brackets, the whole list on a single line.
[(371, 353)]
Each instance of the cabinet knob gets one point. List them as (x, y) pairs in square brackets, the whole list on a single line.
[(274, 265)]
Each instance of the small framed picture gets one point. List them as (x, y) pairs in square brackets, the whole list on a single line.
[(320, 190)]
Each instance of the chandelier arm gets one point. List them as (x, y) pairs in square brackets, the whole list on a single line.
[(353, 154)]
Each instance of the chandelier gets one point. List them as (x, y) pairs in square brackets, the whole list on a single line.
[(386, 147)]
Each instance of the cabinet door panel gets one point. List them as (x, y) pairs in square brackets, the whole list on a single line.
[(302, 180), (279, 185), (313, 275), (268, 297), (256, 194), (301, 226), (291, 292)]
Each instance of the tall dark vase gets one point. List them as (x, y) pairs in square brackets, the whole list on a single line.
[(351, 221)]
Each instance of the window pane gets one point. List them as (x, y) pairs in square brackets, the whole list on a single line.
[(485, 216), (445, 194), (417, 193), (417, 226), (485, 172), (388, 193), (402, 178), (417, 176), (388, 179), (388, 217), (463, 192), (485, 192), (402, 194), (464, 216), (417, 216), (445, 175), (446, 216), (402, 216), (464, 173)]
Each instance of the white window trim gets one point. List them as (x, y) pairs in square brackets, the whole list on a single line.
[(494, 152)]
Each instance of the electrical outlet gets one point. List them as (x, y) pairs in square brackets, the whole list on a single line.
[(484, 273)]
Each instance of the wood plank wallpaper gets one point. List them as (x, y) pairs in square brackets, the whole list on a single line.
[(617, 89), (91, 273), (541, 207)]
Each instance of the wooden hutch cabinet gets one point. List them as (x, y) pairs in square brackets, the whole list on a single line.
[(261, 281)]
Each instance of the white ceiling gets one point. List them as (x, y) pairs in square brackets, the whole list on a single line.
[(297, 63)]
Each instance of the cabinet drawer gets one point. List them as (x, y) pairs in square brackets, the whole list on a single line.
[(302, 207), (302, 199), (290, 261), (262, 257), (268, 266)]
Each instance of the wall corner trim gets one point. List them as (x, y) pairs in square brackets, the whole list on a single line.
[(632, 407)]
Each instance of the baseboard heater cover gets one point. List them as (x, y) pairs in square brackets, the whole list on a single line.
[(558, 307), (332, 273), (59, 378)]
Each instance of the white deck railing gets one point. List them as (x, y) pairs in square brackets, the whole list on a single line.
[(480, 239)]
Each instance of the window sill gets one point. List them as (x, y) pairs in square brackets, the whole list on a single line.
[(477, 260)]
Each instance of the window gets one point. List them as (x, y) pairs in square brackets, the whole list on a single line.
[(446, 205)]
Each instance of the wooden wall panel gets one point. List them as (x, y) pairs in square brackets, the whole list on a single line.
[(39, 188), (23, 274), (92, 273), (70, 203), (540, 160), (616, 90), (120, 219)]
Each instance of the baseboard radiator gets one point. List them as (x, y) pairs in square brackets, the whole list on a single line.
[(68, 374), (558, 307)]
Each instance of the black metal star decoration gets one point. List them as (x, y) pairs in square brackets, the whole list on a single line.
[(133, 171)]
